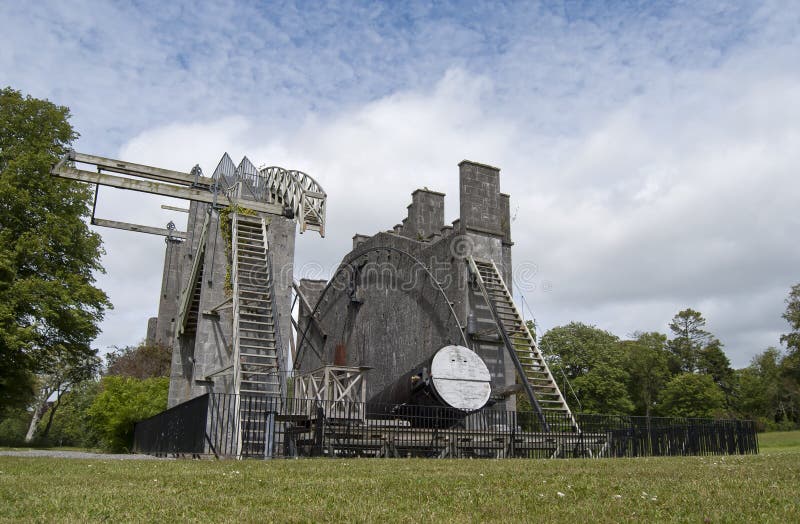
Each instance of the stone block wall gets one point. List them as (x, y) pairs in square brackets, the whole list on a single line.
[(425, 215), (480, 202)]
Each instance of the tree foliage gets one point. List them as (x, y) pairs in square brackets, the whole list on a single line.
[(792, 316), (713, 361), (689, 338), (73, 426), (592, 360), (142, 361), (691, 395), (49, 307), (71, 370), (769, 389), (647, 361), (122, 402), (688, 375)]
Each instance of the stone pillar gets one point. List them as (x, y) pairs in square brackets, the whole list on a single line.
[(213, 342), (150, 339), (505, 224), (480, 202), (425, 214), (359, 239), (180, 383), (281, 240), (170, 292)]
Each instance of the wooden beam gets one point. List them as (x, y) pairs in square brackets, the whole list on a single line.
[(164, 232), (129, 168), (173, 208), (158, 188)]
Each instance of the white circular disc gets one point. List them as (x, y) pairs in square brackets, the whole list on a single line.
[(461, 378)]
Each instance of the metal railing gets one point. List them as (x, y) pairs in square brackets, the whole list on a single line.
[(273, 427)]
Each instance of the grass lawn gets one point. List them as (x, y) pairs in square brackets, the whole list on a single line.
[(779, 442), (763, 488)]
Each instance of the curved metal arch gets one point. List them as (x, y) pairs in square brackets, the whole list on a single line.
[(350, 264)]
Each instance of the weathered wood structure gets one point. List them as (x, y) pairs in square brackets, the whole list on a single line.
[(414, 347), (225, 304), (399, 296)]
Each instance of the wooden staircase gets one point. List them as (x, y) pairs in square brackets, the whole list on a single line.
[(532, 370), (257, 358), (193, 314)]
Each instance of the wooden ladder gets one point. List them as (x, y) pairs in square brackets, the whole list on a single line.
[(257, 357), (532, 370)]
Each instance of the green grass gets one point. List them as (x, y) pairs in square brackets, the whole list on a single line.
[(779, 442), (761, 488)]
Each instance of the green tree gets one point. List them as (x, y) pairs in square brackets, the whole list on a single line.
[(691, 395), (792, 316), (122, 402), (73, 426), (790, 366), (714, 362), (604, 390), (49, 308), (689, 338), (647, 361), (13, 425), (57, 381), (593, 361), (765, 393), (142, 361)]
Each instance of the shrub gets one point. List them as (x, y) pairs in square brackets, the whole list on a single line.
[(122, 402)]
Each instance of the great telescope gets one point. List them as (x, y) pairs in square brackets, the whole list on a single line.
[(454, 382)]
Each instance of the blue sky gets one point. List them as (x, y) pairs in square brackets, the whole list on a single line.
[(651, 149)]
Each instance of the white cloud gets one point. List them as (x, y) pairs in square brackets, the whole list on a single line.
[(650, 153)]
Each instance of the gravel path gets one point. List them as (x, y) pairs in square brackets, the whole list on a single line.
[(75, 455)]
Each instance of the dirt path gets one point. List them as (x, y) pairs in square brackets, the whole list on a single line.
[(75, 455)]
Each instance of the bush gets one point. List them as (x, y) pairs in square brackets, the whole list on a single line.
[(691, 395), (122, 402), (13, 427), (772, 425)]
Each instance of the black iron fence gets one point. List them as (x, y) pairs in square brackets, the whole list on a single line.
[(182, 429), (270, 427)]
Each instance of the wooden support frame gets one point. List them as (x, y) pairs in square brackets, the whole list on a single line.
[(342, 390), (62, 170), (130, 168), (174, 208), (138, 228)]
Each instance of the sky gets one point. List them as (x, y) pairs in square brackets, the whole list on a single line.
[(651, 149)]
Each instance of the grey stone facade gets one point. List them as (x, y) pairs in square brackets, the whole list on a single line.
[(402, 294), (398, 296), (203, 355)]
